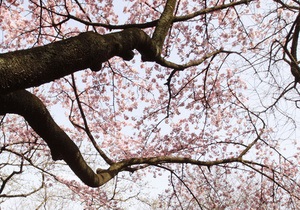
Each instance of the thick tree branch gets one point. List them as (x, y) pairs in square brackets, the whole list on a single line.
[(36, 66), (164, 23), (62, 147)]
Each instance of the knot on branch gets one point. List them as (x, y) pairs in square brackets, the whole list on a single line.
[(142, 42), (127, 56)]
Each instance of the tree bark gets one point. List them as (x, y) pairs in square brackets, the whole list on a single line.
[(32, 67), (62, 147)]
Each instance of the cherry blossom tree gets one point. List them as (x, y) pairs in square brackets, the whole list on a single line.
[(97, 96)]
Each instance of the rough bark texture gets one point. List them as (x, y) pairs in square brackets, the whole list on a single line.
[(164, 23), (36, 66)]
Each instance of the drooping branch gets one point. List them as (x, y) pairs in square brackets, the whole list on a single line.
[(36, 66), (62, 147)]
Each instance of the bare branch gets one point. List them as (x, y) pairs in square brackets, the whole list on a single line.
[(86, 126), (176, 67), (209, 10)]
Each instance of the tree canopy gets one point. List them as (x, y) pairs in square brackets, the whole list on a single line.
[(205, 93)]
